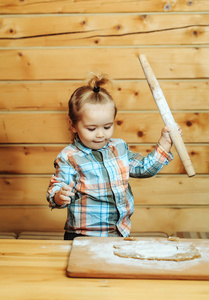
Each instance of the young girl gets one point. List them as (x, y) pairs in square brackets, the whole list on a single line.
[(92, 173)]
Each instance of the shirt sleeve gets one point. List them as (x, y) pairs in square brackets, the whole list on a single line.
[(148, 166), (64, 175)]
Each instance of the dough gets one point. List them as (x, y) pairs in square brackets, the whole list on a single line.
[(157, 250), (129, 238), (173, 238)]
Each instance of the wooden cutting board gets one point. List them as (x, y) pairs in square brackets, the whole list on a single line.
[(94, 257)]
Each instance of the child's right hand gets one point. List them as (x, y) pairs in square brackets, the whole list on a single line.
[(62, 197)]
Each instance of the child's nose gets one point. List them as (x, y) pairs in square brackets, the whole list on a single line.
[(100, 133)]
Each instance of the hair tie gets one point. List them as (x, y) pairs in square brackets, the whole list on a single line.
[(96, 89)]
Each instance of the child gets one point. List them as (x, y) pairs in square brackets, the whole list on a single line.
[(92, 173)]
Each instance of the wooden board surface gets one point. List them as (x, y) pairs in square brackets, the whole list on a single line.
[(168, 219), (103, 29), (133, 127), (159, 190), (128, 95), (47, 49), (117, 62), (83, 6), (94, 257), (35, 269), (26, 159)]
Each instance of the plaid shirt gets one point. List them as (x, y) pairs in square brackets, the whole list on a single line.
[(103, 201)]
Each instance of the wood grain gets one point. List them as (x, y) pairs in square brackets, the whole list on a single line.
[(36, 247), (39, 159), (171, 190), (170, 219), (162, 190), (103, 30), (166, 219), (134, 127), (42, 64), (82, 6), (42, 264), (47, 49), (128, 95)]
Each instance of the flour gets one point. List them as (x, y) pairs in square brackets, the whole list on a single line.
[(55, 247), (105, 252), (168, 251), (65, 247), (82, 242)]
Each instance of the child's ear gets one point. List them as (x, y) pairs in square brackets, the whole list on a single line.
[(72, 126)]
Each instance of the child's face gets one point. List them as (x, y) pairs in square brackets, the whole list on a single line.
[(96, 124)]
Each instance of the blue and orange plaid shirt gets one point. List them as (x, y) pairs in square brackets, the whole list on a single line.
[(103, 201)]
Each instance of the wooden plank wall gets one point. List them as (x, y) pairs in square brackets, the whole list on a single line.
[(46, 50)]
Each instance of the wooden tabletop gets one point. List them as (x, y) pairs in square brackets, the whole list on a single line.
[(36, 269)]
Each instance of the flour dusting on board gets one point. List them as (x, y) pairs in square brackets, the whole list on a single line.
[(168, 251), (149, 249)]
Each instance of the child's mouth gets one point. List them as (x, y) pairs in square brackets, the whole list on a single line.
[(98, 142)]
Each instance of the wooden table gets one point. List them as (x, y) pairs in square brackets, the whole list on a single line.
[(35, 269)]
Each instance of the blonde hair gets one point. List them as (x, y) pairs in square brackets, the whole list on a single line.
[(91, 93)]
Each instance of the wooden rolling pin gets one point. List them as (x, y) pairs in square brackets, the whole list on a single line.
[(167, 115)]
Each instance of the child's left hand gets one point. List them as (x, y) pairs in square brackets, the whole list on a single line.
[(165, 140)]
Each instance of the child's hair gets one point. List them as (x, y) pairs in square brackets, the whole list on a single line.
[(91, 93)]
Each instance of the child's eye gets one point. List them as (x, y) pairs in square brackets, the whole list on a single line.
[(91, 129), (107, 127)]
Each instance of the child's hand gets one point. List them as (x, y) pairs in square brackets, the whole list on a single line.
[(165, 140), (62, 197)]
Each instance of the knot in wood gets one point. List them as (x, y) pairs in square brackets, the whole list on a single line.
[(189, 123), (119, 122), (167, 7), (118, 27), (140, 133)]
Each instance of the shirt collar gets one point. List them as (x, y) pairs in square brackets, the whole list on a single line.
[(85, 149)]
